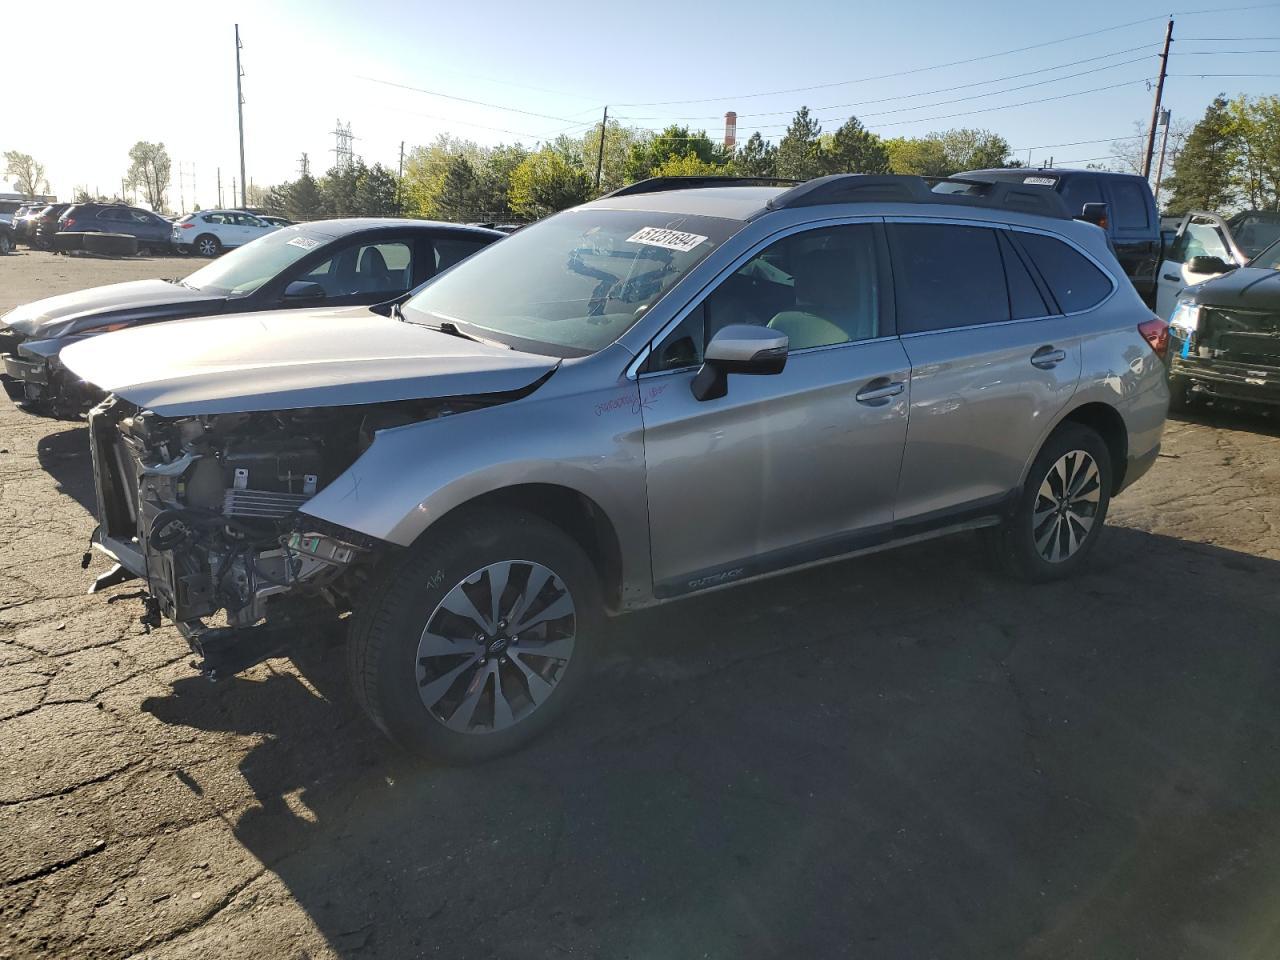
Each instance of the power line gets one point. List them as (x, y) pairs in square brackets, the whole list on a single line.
[(478, 103), (904, 73), (959, 86)]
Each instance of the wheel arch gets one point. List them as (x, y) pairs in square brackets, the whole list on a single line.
[(1104, 420), (572, 511)]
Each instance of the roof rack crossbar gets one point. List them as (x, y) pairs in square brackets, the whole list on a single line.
[(901, 188), (659, 184)]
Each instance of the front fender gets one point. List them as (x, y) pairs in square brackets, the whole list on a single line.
[(589, 442)]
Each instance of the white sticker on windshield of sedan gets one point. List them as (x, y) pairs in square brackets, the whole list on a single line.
[(306, 243), (1040, 181), (662, 237)]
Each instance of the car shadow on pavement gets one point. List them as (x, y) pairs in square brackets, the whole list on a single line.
[(901, 755), (1225, 416), (64, 455)]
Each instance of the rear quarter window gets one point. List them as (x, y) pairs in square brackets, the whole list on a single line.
[(1072, 279)]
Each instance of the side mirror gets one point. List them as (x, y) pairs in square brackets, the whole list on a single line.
[(1095, 213), (1207, 264), (738, 348), (304, 290)]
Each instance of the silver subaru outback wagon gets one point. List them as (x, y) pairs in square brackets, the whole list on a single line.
[(676, 388)]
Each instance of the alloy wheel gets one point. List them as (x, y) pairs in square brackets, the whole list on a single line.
[(1066, 506), (495, 648), (207, 248)]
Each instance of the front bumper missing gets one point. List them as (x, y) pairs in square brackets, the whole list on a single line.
[(1229, 379)]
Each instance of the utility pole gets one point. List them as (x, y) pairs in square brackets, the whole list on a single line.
[(240, 115), (182, 196), (219, 186), (1155, 107), (1165, 116), (604, 126), (399, 182), (233, 189), (304, 166)]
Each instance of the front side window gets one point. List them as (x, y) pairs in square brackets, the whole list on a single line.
[(365, 268), (1074, 281), (947, 275), (820, 288), (1254, 232), (571, 284)]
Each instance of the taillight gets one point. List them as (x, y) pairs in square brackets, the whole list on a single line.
[(187, 226), (69, 222), (1156, 332)]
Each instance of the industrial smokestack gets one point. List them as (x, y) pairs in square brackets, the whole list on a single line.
[(730, 130)]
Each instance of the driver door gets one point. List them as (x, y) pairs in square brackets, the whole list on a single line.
[(790, 467), (1197, 237)]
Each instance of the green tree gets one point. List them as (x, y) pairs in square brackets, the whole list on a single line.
[(305, 200), (149, 168), (1205, 172), (376, 192), (1256, 128), (921, 156), (800, 155), (457, 195), (969, 149), (618, 142), (756, 158), (425, 169), (545, 182), (855, 149), (649, 154), (494, 180), (26, 171), (690, 165)]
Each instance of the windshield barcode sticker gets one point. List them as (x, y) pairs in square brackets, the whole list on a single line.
[(1040, 181), (306, 243), (662, 237)]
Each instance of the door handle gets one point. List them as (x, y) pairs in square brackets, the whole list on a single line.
[(883, 392), (1172, 276), (1046, 358)]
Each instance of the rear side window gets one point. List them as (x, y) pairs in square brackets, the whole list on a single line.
[(946, 275), (1074, 282), (450, 251), (1131, 211), (1025, 301)]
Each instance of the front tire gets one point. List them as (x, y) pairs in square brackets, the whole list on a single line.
[(207, 245), (1179, 393), (6, 245), (1061, 509), (470, 644)]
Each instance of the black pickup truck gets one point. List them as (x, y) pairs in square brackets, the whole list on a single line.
[(1132, 221)]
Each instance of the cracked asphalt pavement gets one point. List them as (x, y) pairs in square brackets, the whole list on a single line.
[(899, 756)]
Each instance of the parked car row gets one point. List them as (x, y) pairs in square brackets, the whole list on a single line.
[(206, 233), (688, 384)]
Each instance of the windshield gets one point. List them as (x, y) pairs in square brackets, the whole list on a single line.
[(244, 269), (1268, 259), (1254, 232), (572, 284)]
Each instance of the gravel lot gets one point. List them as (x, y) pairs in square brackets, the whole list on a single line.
[(899, 756)]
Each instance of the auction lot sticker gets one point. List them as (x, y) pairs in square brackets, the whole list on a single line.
[(306, 243), (1040, 181), (662, 237)]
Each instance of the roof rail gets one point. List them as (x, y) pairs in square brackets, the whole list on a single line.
[(659, 184), (899, 188)]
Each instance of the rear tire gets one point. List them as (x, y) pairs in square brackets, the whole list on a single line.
[(464, 687), (207, 245), (1061, 510), (6, 245)]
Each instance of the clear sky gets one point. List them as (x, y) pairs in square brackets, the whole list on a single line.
[(97, 77)]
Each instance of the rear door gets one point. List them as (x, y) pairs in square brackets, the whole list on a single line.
[(1197, 236), (992, 360), (784, 468)]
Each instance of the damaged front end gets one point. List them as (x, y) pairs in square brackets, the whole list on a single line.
[(206, 509), (1228, 353)]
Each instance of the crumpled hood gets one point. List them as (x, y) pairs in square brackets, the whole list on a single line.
[(289, 359), (1251, 288), (45, 317)]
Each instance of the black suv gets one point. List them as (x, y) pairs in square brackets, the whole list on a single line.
[(1132, 222), (151, 229), (45, 224)]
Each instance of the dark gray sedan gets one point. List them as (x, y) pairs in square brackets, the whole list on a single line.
[(327, 263)]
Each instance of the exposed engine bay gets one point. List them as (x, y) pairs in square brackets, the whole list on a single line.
[(206, 507)]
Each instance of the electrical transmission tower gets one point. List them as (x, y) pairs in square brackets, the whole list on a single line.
[(344, 154), (304, 166)]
